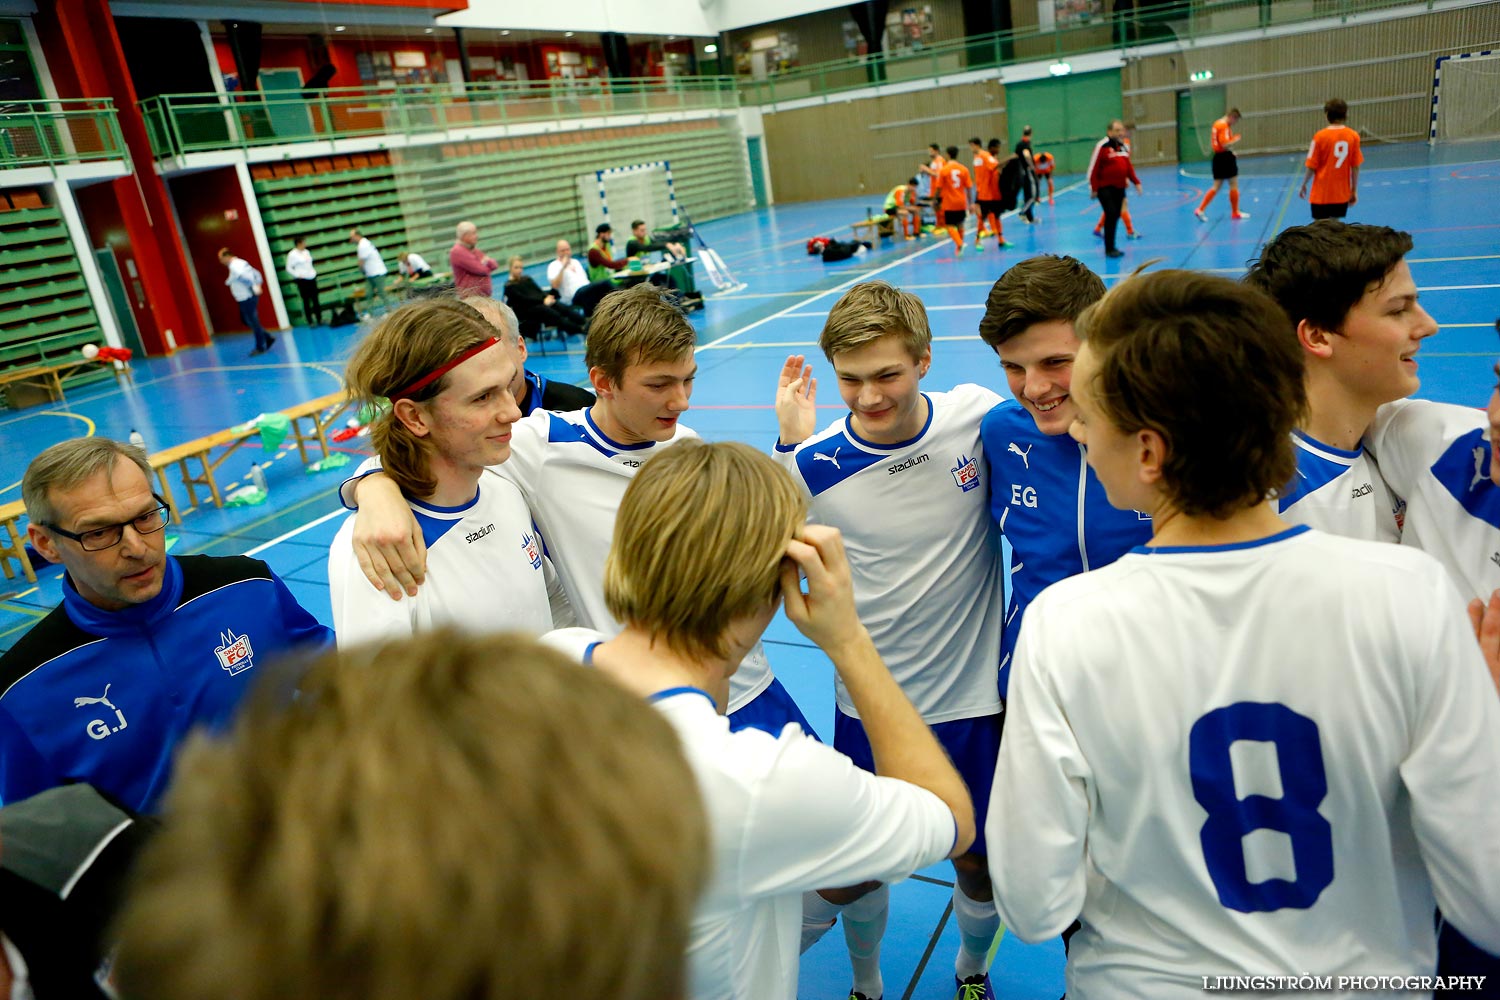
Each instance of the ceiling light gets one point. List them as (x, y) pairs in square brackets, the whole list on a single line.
[(1060, 69), (567, 34), (505, 31), (710, 49), (671, 38), (1201, 75), (338, 27), (428, 30)]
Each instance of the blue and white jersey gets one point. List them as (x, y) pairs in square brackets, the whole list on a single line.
[(1340, 492), (924, 552), (1436, 456), (1051, 509), (1257, 759), (485, 573), (573, 477)]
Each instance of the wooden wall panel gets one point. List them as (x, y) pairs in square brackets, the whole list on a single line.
[(868, 146), (1382, 69)]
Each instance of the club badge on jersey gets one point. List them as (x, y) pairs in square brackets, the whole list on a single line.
[(533, 551), (234, 652), (965, 473)]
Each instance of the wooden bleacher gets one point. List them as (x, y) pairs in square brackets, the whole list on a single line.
[(209, 451)]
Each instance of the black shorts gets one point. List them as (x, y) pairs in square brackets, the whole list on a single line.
[(1331, 211), (954, 218), (991, 207), (1225, 166)]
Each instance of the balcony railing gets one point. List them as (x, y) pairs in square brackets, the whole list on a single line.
[(186, 123), (44, 133), (1178, 22)]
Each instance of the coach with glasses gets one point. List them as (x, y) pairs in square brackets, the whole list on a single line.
[(144, 646)]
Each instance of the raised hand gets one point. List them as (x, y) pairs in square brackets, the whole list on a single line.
[(796, 401)]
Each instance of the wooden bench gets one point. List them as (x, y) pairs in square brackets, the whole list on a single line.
[(878, 227), (13, 541), (49, 378), (211, 450)]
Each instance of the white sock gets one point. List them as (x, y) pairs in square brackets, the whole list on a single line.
[(864, 926), (978, 922), (817, 917)]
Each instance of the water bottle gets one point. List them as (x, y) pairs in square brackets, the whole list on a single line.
[(137, 439), (258, 477)]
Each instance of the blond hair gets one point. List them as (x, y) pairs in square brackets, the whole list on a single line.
[(872, 310), (443, 817), (68, 463), (636, 326), (416, 339), (698, 543)]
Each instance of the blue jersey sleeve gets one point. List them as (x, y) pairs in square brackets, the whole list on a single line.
[(23, 771)]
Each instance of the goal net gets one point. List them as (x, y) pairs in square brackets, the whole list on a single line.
[(1464, 89), (620, 195)]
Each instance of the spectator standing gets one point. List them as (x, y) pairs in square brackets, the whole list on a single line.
[(299, 264), (471, 266), (372, 267), (245, 284)]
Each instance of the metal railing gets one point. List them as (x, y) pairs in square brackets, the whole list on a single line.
[(185, 123), (1182, 21), (42, 133)]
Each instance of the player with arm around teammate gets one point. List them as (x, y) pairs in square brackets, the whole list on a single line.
[(450, 416), (1271, 749), (928, 587), (709, 539), (573, 469)]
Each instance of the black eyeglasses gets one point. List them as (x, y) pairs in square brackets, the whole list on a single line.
[(109, 536)]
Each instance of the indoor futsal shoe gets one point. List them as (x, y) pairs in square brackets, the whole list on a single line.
[(857, 995), (1132, 236), (1199, 213), (1114, 253), (1240, 215), (974, 988)]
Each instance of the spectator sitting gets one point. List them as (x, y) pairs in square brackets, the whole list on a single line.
[(471, 266), (535, 307), (603, 266), (152, 645), (571, 282), (411, 265), (640, 242), (531, 390)]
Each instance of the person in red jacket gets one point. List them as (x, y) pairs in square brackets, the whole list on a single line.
[(471, 266), (1109, 170)]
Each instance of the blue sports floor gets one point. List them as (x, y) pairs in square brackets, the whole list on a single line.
[(1438, 196)]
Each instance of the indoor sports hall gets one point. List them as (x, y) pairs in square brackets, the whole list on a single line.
[(754, 130)]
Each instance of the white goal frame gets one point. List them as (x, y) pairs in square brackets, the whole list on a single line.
[(1437, 85)]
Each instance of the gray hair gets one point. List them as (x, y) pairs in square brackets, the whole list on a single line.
[(465, 228), (65, 465), (499, 315)]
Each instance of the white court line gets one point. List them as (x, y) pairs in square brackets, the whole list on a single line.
[(1444, 260), (819, 315), (1452, 288), (711, 345), (295, 532)]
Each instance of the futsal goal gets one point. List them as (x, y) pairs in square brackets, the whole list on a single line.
[(620, 195), (1464, 89)]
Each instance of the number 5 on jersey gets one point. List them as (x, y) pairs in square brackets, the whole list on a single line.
[(1304, 785)]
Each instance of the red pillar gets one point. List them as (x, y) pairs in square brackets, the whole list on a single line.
[(86, 59)]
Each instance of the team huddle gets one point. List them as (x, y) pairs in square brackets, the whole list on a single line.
[(1233, 717)]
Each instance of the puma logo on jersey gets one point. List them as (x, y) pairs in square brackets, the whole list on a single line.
[(98, 729), (1025, 455), (1479, 475), (834, 458)]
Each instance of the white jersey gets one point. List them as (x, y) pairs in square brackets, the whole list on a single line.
[(1436, 456), (786, 814), (1340, 492), (573, 478), (485, 573), (923, 547), (1259, 759), (370, 263)]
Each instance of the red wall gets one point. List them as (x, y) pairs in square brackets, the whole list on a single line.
[(99, 205), (343, 52), (202, 199)]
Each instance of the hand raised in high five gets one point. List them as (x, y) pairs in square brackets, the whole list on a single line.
[(796, 401)]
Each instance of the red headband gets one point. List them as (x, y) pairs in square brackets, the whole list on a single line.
[(439, 372)]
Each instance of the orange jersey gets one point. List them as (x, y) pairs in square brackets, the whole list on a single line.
[(1045, 162), (954, 182), (1332, 157), (986, 176), (1221, 135)]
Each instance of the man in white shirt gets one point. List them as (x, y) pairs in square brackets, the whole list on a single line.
[(373, 268), (709, 539), (245, 284), (573, 468), (1246, 749), (566, 275), (903, 476), (448, 378), (299, 264)]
